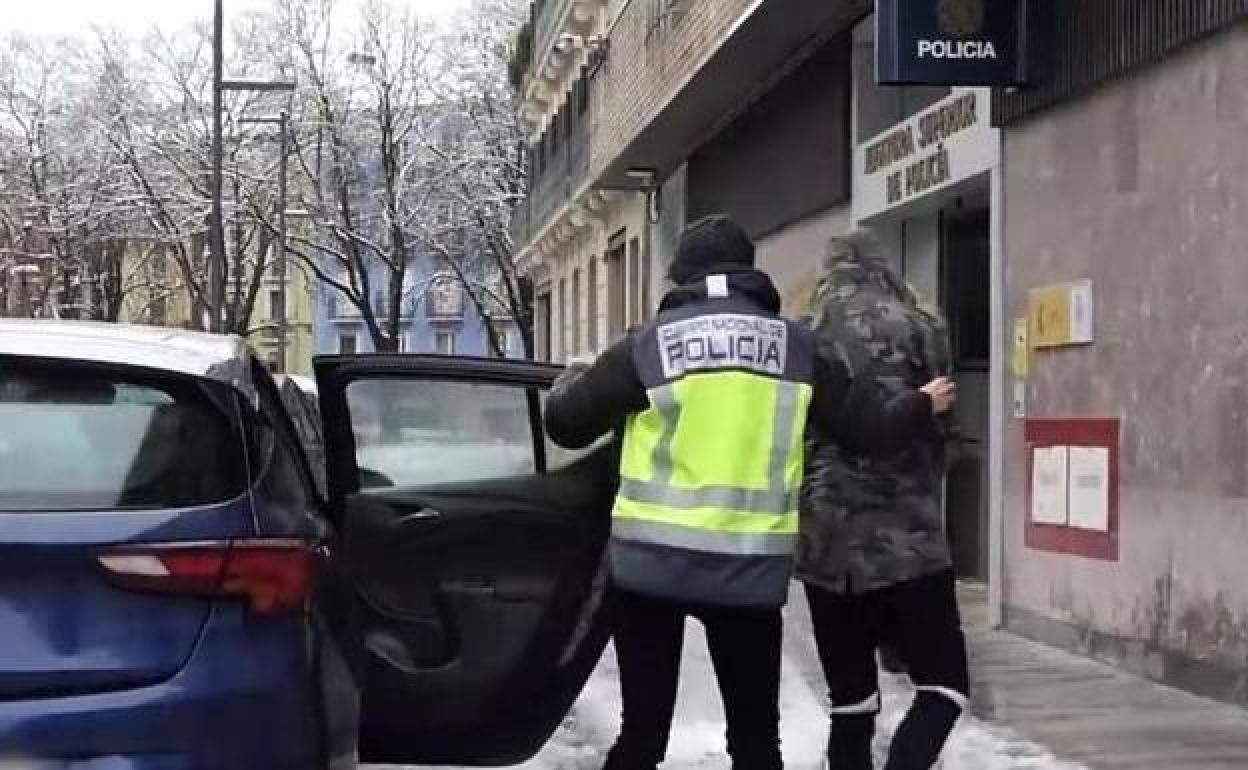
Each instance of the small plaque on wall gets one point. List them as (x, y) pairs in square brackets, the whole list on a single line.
[(1061, 315)]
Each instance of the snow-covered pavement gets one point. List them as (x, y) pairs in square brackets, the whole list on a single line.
[(697, 735)]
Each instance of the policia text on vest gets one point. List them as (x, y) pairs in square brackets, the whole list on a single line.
[(724, 341)]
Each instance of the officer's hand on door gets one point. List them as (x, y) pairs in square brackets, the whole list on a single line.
[(943, 393)]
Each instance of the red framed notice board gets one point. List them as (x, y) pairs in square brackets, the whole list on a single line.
[(1072, 486)]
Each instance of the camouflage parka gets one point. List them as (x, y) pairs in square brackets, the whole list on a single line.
[(868, 522)]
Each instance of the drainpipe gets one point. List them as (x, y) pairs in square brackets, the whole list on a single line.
[(999, 326)]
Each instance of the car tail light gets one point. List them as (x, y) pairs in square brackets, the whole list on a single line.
[(274, 576)]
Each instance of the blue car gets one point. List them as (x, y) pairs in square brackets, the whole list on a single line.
[(177, 593)]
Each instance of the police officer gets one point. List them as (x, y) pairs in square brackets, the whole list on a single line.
[(873, 553), (713, 397)]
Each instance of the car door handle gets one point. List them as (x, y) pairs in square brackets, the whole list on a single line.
[(414, 525), (416, 521), (424, 514)]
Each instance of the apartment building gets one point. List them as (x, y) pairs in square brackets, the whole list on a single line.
[(1083, 235), (436, 317), (27, 262), (285, 308), (647, 114)]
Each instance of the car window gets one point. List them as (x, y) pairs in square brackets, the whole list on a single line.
[(418, 432), (278, 471), (82, 439), (305, 417)]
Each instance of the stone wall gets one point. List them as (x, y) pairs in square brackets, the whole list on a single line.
[(1142, 186)]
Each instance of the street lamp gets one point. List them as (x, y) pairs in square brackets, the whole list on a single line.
[(283, 123), (219, 86)]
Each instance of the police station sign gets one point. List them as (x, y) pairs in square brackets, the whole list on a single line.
[(962, 42), (945, 144)]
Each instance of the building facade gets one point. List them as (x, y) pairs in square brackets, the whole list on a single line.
[(1124, 187), (290, 307), (437, 317), (27, 262), (1083, 237), (581, 244), (646, 115)]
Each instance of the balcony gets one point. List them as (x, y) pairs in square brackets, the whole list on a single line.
[(563, 41), (563, 175), (548, 19)]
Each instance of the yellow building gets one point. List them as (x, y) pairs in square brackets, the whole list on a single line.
[(154, 290), (267, 315), (155, 293)]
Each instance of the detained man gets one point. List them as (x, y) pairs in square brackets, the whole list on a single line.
[(872, 552)]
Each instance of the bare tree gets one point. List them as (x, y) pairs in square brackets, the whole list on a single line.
[(360, 106), (58, 185), (154, 110), (406, 146), (476, 153)]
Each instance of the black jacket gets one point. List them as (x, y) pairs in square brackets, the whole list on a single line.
[(587, 403)]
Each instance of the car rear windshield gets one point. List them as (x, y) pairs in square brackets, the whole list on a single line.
[(77, 438)]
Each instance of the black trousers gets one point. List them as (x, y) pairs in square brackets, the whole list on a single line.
[(745, 648), (919, 620)]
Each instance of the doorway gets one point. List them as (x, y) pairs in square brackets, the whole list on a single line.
[(966, 253)]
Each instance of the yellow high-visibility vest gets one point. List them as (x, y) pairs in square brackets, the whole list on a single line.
[(710, 472)]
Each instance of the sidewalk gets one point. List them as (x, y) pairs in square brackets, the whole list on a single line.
[(1036, 708), (1095, 715)]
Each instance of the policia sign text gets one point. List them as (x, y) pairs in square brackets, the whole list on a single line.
[(723, 341), (961, 42)]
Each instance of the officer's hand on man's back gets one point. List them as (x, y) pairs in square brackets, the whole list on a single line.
[(943, 392)]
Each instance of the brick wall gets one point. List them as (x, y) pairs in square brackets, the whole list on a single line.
[(648, 66)]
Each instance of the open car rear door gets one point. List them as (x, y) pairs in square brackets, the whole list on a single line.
[(470, 554)]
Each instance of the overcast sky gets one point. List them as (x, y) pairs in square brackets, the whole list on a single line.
[(68, 16)]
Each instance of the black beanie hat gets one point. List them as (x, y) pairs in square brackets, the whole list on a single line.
[(709, 244)]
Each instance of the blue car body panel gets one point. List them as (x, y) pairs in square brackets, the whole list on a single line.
[(92, 676), (243, 699)]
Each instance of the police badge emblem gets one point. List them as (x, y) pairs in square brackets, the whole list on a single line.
[(961, 18)]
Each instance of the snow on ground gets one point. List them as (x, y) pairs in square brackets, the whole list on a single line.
[(698, 728), (974, 745), (697, 735)]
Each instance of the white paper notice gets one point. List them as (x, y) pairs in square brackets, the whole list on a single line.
[(1049, 485), (1089, 488), (1082, 313)]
